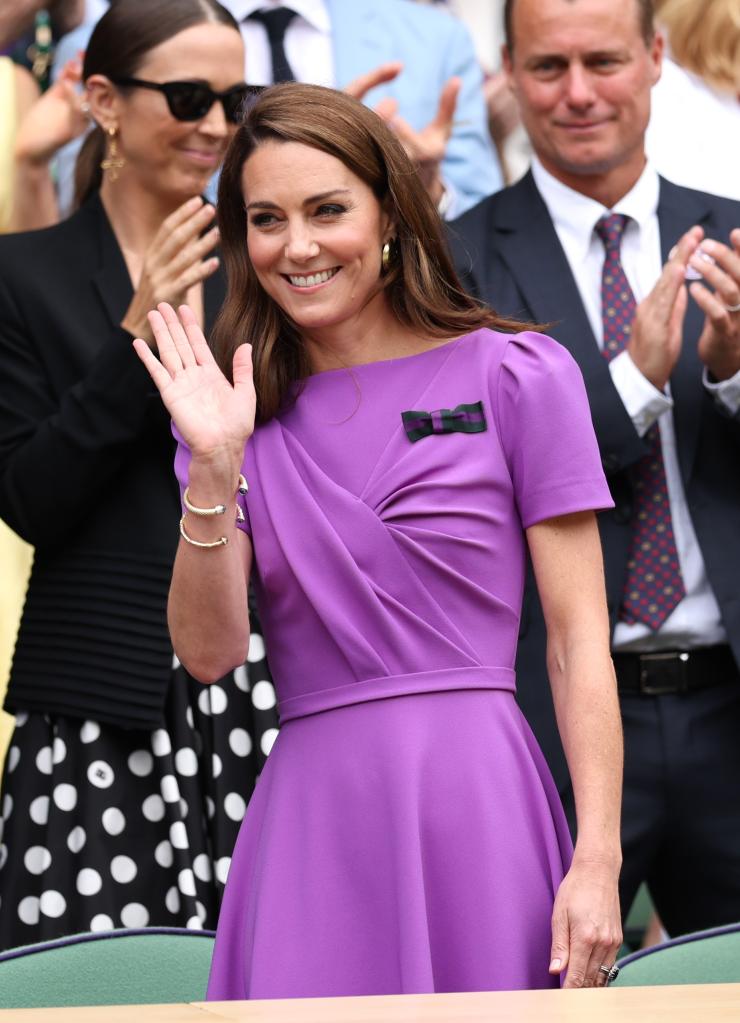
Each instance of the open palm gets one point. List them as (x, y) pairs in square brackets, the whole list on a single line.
[(211, 413)]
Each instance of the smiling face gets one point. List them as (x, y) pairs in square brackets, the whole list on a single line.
[(167, 156), (582, 73), (315, 232)]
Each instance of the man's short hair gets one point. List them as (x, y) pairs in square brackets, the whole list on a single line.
[(646, 10)]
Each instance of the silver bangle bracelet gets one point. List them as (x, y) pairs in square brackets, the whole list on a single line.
[(221, 542)]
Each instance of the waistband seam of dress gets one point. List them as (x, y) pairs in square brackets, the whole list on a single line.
[(389, 686)]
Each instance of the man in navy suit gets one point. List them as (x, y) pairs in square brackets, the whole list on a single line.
[(640, 280)]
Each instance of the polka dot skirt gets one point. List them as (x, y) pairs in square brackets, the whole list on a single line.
[(104, 827)]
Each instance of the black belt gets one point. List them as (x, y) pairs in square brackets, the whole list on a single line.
[(675, 671)]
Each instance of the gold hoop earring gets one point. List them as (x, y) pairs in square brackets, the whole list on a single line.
[(112, 162), (385, 257)]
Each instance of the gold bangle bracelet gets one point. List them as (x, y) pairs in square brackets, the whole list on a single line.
[(221, 542), (218, 509)]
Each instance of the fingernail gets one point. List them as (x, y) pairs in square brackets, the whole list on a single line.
[(555, 964)]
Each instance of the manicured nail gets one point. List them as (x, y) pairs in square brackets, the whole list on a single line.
[(555, 964)]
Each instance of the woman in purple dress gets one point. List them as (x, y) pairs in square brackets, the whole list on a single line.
[(409, 448)]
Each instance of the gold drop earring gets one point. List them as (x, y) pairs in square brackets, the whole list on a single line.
[(385, 257), (112, 162)]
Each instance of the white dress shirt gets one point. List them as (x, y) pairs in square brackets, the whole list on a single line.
[(308, 45), (696, 620)]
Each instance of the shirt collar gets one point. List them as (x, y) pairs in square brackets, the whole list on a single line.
[(576, 215), (315, 12)]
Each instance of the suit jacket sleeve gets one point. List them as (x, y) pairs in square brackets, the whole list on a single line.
[(58, 449)]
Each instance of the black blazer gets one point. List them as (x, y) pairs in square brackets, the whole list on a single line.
[(508, 254), (86, 476)]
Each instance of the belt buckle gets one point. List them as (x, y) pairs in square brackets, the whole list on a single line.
[(679, 675)]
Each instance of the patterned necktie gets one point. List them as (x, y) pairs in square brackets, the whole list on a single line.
[(653, 586), (276, 22)]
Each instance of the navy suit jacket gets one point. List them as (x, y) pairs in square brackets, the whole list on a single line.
[(508, 254)]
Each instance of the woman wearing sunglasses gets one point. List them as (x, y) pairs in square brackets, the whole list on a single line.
[(126, 780)]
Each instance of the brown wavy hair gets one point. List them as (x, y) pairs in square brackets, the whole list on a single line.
[(704, 37), (421, 285)]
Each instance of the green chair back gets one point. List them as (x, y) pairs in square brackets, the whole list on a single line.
[(705, 957), (124, 967)]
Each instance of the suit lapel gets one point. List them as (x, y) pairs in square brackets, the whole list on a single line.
[(678, 210), (528, 243), (111, 280), (360, 41)]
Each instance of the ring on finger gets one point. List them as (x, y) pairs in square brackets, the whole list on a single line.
[(610, 972), (733, 308)]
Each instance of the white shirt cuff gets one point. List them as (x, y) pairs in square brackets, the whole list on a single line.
[(447, 207), (644, 402), (726, 392)]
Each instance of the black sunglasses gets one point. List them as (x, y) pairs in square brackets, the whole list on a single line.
[(190, 101)]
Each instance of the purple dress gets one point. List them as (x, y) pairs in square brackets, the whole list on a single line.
[(405, 834)]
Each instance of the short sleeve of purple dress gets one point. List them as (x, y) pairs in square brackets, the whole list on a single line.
[(405, 835)]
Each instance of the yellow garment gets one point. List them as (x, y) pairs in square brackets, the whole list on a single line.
[(15, 555), (15, 566), (8, 127)]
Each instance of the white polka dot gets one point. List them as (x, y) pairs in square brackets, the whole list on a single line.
[(65, 796), (202, 867), (210, 808), (263, 695), (89, 732), (14, 755), (213, 700), (186, 881), (241, 678), (169, 788), (163, 854), (28, 910), (189, 716), (267, 740), (43, 760), (37, 859), (183, 807), (140, 763), (113, 820), (123, 869), (39, 809), (100, 774), (240, 742), (153, 808), (76, 839), (3, 855), (201, 910), (172, 901), (175, 662), (216, 765), (89, 881), (20, 719), (101, 922), (59, 751), (52, 903), (234, 806), (194, 924), (7, 805), (161, 744), (178, 835), (256, 648), (186, 762), (134, 915), (222, 868)]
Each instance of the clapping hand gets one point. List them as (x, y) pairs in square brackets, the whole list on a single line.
[(425, 148), (214, 416), (55, 119), (177, 259), (719, 344)]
